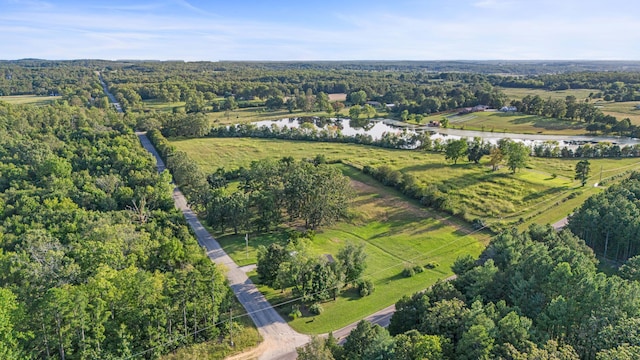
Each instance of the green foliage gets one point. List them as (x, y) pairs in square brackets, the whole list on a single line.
[(365, 287), (295, 312), (608, 221), (528, 288), (316, 349), (100, 260), (316, 309), (582, 171), (455, 149), (352, 259)]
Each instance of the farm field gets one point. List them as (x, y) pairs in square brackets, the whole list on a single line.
[(621, 110), (493, 196), (497, 121), (519, 93), (29, 99), (396, 233)]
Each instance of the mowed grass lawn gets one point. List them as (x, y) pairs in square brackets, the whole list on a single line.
[(29, 99), (396, 233), (498, 122)]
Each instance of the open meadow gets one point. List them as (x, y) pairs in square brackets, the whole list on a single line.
[(519, 93), (482, 193), (496, 121), (397, 233), (621, 110), (29, 99)]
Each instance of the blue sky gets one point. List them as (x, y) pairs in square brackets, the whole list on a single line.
[(320, 30)]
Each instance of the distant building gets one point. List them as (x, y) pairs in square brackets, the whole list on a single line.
[(433, 123), (373, 103), (479, 108), (390, 106), (508, 109), (638, 107)]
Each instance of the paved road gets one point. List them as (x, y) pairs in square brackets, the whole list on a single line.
[(280, 339), (270, 324)]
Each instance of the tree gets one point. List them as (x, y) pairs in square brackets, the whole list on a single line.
[(315, 349), (352, 260), (455, 149), (367, 341), (475, 344), (337, 107), (495, 158), (517, 155), (9, 347), (269, 260), (358, 97), (194, 102), (413, 345), (322, 102), (477, 149), (229, 103), (369, 110), (583, 168), (355, 111)]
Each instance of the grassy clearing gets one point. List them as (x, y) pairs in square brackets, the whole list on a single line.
[(622, 110), (515, 123), (482, 193), (396, 233), (519, 93), (29, 99)]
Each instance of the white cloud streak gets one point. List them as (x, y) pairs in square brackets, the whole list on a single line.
[(138, 31)]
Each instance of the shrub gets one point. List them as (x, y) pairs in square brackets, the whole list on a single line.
[(477, 224), (408, 272), (316, 309), (365, 287), (418, 269), (295, 312), (431, 265)]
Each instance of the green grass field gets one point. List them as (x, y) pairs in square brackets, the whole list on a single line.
[(29, 99), (396, 233), (519, 93), (514, 123), (621, 110), (493, 196)]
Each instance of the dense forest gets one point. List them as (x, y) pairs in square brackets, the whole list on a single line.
[(608, 222), (95, 263)]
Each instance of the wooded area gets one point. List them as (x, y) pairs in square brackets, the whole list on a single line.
[(95, 261)]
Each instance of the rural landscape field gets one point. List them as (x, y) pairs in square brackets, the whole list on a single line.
[(356, 181)]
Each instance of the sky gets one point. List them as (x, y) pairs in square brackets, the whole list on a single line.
[(215, 30)]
